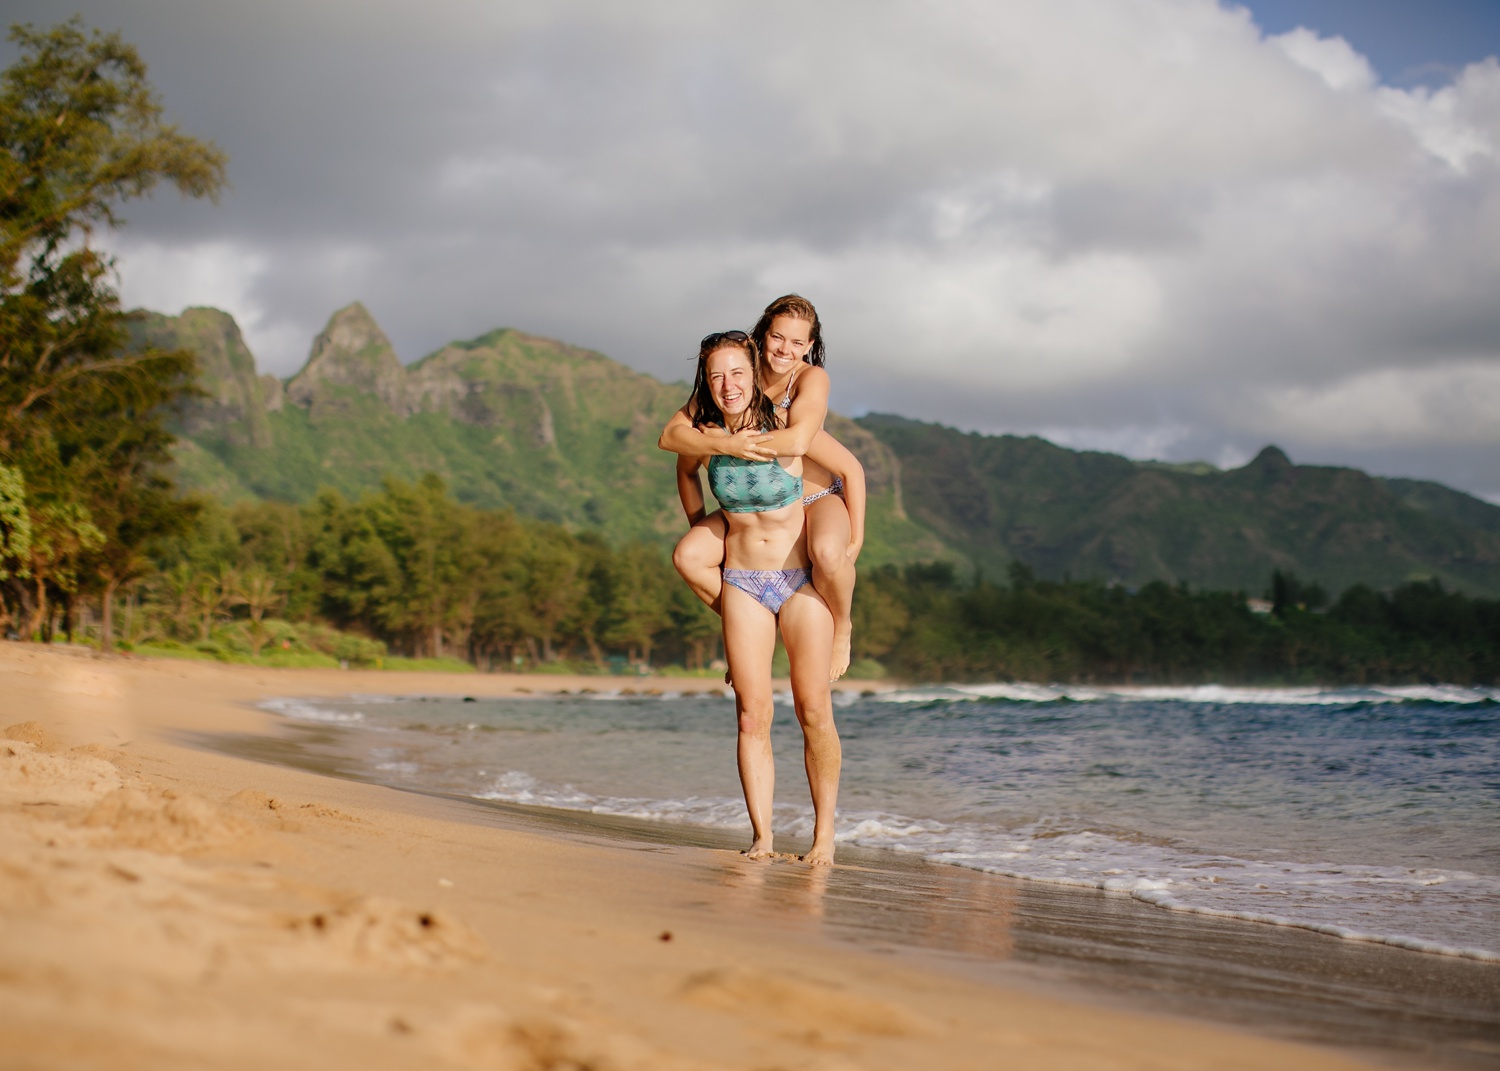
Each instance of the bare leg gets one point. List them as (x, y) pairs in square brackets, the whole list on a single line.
[(807, 629), (698, 557), (833, 572), (749, 641)]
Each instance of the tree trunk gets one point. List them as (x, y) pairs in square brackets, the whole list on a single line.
[(130, 603), (107, 617), (39, 612)]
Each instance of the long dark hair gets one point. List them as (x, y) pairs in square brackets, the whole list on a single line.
[(797, 306), (762, 412)]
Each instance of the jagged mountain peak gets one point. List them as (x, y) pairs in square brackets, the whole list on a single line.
[(234, 400), (350, 355), (353, 330), (1271, 457)]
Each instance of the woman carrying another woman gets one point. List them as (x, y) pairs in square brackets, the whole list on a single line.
[(766, 581), (789, 338)]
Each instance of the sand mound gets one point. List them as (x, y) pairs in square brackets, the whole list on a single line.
[(31, 732), (809, 1005), (164, 823), (30, 776), (259, 804)]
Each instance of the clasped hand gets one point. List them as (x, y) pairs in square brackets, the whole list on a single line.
[(748, 443)]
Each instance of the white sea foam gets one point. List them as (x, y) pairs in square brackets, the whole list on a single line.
[(308, 710), (518, 787), (1388, 905), (1204, 693)]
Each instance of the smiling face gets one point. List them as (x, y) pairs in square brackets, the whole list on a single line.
[(731, 378), (787, 340)]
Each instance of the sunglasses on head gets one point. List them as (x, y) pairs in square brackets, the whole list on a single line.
[(710, 341)]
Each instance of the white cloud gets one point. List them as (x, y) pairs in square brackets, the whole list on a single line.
[(1330, 58), (169, 278), (1445, 405), (1101, 215)]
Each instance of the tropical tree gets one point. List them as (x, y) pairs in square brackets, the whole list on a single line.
[(555, 583), (15, 533), (256, 592), (642, 600), (82, 416)]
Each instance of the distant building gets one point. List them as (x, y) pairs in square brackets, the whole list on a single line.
[(1258, 606)]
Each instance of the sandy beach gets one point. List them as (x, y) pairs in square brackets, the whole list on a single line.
[(169, 906)]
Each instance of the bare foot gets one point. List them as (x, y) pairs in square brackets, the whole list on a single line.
[(843, 633), (819, 855), (761, 849)]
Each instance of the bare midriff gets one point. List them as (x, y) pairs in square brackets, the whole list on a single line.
[(774, 539)]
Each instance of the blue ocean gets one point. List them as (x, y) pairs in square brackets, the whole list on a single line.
[(1371, 814)]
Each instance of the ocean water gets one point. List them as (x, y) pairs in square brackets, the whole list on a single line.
[(1370, 814)]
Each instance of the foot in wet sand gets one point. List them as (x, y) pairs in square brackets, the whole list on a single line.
[(819, 855), (761, 849), (843, 635)]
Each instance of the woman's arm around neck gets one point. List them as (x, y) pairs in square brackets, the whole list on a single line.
[(681, 438)]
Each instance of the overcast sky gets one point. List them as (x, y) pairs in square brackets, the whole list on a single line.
[(1170, 228)]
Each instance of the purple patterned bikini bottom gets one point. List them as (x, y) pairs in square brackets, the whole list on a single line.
[(770, 587)]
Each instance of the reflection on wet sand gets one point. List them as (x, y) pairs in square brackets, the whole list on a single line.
[(948, 912), (783, 888), (1283, 981)]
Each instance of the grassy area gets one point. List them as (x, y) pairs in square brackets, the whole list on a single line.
[(426, 665)]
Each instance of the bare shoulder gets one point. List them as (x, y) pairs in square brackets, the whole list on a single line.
[(811, 377)]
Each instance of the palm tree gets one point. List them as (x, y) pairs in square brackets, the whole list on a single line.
[(256, 592)]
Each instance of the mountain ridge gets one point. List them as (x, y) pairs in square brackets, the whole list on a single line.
[(1131, 522), (566, 434)]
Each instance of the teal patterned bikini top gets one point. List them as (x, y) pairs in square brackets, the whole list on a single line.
[(743, 486)]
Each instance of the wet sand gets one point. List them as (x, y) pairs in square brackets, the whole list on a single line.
[(166, 905)]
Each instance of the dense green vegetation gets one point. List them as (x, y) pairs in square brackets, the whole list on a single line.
[(408, 570), (85, 490), (929, 626)]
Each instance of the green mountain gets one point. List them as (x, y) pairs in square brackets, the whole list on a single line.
[(1084, 514), (507, 419), (568, 435)]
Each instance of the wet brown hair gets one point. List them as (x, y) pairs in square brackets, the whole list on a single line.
[(797, 306), (762, 411)]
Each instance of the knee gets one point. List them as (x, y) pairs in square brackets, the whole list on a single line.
[(755, 722), (817, 719), (690, 557), (828, 556)]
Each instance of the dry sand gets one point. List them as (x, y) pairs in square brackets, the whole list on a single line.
[(165, 907)]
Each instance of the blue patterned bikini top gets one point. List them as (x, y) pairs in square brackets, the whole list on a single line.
[(743, 486)]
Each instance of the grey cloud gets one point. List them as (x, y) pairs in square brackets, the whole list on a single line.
[(1012, 220)]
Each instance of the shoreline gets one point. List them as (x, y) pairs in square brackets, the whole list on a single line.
[(269, 914)]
